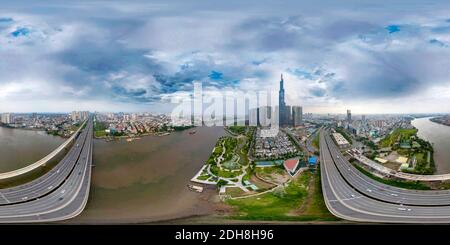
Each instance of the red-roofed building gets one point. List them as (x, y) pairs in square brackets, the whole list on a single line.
[(291, 165)]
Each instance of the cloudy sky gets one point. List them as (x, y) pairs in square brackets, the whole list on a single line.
[(367, 56)]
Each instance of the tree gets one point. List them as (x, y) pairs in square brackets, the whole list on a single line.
[(221, 183)]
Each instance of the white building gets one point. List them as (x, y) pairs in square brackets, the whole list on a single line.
[(340, 140), (6, 118)]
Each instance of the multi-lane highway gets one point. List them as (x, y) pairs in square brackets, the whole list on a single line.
[(49, 181), (60, 194), (41, 162), (377, 190), (350, 196)]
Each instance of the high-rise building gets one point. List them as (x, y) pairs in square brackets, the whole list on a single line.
[(289, 119), (253, 117), (379, 123), (84, 115), (74, 116), (363, 118), (79, 115), (349, 116), (297, 115), (6, 118), (265, 116), (282, 104)]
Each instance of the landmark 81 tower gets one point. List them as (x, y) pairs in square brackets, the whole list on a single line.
[(282, 103)]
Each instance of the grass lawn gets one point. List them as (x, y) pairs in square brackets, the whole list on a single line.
[(421, 157), (203, 177), (404, 134), (227, 174), (316, 207), (269, 170), (237, 129), (235, 191), (100, 133), (99, 129), (284, 204)]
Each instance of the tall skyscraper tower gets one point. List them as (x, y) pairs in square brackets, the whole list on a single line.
[(349, 116), (281, 103)]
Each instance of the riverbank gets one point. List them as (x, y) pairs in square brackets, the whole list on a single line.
[(64, 133), (129, 138), (439, 136), (138, 136), (19, 148), (444, 120)]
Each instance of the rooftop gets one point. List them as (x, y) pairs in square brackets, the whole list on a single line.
[(291, 164)]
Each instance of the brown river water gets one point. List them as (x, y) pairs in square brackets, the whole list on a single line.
[(439, 136), (19, 148), (145, 180), (140, 181)]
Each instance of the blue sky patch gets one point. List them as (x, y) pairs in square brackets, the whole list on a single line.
[(215, 75), (22, 31), (392, 28), (303, 74)]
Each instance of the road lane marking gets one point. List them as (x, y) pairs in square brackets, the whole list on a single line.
[(378, 217), (87, 171), (6, 199)]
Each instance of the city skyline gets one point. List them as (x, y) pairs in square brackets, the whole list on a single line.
[(61, 58)]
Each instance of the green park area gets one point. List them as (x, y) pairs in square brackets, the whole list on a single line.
[(400, 135), (299, 200), (237, 129), (418, 152), (99, 129), (229, 159)]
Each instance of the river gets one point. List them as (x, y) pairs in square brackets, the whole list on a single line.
[(19, 148), (439, 136), (146, 179), (140, 181)]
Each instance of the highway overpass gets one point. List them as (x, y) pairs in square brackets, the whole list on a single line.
[(351, 196), (60, 194), (41, 162)]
